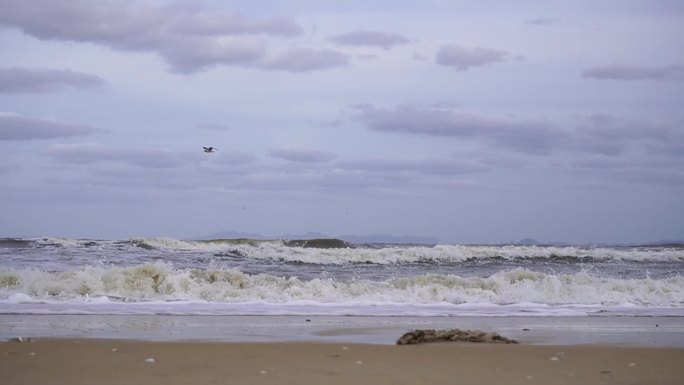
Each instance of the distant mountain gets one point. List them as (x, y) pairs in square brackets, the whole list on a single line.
[(527, 242), (373, 238)]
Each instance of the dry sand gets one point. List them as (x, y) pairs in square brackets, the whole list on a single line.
[(108, 361)]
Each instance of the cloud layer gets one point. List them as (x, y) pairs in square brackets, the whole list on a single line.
[(304, 59), (18, 80), (463, 58), (18, 127), (189, 37), (633, 72), (523, 135), (370, 38)]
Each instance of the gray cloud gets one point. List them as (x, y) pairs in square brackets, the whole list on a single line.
[(88, 153), (542, 21), (613, 127), (463, 58), (523, 135), (302, 155), (612, 135), (305, 174), (140, 171), (370, 38), (665, 172), (631, 72), (130, 25), (192, 54), (602, 134), (18, 127), (364, 175), (201, 22), (17, 80), (188, 37), (303, 59)]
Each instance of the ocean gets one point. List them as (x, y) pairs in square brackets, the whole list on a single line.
[(334, 277)]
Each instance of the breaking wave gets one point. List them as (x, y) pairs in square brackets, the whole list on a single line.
[(339, 252), (163, 282)]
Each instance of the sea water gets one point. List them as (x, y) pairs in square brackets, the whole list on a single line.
[(333, 277)]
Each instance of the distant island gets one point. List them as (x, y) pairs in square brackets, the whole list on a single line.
[(372, 238)]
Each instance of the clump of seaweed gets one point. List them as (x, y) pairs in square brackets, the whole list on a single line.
[(454, 335)]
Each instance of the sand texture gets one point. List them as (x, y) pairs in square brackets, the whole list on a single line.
[(98, 361)]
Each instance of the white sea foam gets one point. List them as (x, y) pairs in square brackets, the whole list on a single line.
[(66, 242), (20, 298), (162, 282), (277, 250)]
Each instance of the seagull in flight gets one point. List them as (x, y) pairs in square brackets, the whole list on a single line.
[(209, 149)]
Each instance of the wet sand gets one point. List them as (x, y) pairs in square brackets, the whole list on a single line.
[(111, 361), (606, 330)]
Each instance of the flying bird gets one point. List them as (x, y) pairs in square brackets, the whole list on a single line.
[(209, 149)]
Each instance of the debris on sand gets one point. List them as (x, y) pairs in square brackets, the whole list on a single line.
[(21, 339), (456, 335)]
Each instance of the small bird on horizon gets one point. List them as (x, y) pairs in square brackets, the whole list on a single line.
[(209, 149)]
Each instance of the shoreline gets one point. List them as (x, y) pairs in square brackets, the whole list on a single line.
[(335, 350), (566, 330)]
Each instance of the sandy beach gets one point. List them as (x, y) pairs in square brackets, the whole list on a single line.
[(95, 361), (147, 349)]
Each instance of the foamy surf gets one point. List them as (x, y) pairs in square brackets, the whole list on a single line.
[(330, 252), (162, 283), (244, 276)]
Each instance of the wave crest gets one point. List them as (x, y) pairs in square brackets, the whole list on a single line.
[(339, 252), (161, 281)]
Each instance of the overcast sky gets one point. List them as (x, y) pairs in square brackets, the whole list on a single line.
[(468, 121)]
